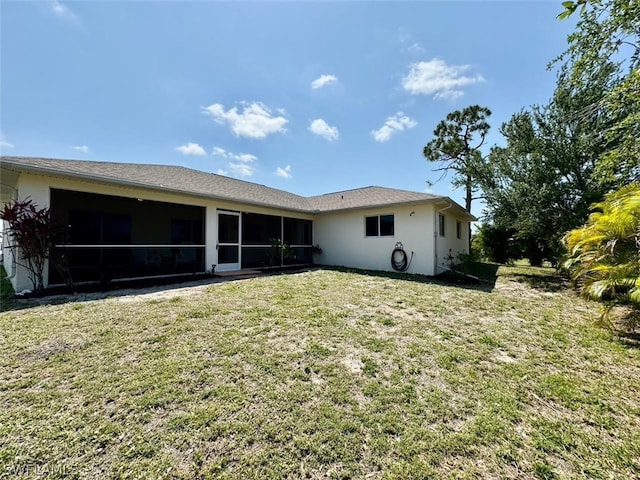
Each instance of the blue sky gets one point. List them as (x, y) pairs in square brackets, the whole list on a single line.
[(310, 97)]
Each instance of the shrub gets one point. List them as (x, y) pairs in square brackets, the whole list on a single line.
[(605, 253), (31, 234)]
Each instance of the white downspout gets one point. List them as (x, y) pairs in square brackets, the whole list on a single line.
[(436, 234)]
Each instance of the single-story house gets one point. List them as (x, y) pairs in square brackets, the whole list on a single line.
[(125, 220)]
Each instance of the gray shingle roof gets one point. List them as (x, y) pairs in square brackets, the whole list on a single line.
[(164, 177), (367, 197), (195, 182)]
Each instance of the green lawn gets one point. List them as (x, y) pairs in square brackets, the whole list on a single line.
[(331, 374)]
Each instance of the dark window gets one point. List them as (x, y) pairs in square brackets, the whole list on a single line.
[(299, 255), (228, 228), (371, 226), (227, 254), (263, 237), (94, 219), (116, 229), (97, 228), (253, 257), (458, 229), (386, 225), (258, 229), (296, 231), (107, 237), (441, 224), (186, 231), (85, 228), (380, 226)]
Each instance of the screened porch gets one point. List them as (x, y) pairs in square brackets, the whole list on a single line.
[(104, 237)]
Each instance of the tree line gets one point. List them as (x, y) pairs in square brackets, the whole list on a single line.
[(568, 170)]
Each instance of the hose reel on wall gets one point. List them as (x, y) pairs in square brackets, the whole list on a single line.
[(400, 261)]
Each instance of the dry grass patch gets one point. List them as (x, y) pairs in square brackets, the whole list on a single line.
[(321, 374)]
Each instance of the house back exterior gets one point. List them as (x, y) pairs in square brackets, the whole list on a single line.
[(123, 220)]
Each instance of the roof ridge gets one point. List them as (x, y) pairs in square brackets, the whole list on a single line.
[(240, 180), (376, 186), (345, 191)]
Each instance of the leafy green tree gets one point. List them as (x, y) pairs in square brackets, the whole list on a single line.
[(570, 8), (456, 146), (622, 163), (608, 33), (561, 158), (605, 253), (542, 182), (494, 244)]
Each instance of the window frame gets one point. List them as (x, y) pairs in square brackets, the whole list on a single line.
[(442, 225), (368, 224), (380, 226), (458, 229)]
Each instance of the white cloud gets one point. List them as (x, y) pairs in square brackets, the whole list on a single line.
[(284, 172), (245, 157), (394, 124), (240, 164), (219, 152), (191, 149), (437, 78), (409, 45), (81, 148), (62, 11), (322, 128), (323, 81), (415, 48), (241, 157), (4, 143), (255, 120), (241, 169)]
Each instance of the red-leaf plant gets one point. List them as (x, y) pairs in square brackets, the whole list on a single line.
[(32, 235)]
